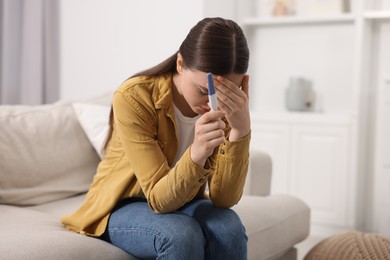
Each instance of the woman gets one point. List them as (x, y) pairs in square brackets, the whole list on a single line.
[(148, 196)]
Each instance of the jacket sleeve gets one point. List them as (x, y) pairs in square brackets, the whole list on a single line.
[(166, 189), (230, 166)]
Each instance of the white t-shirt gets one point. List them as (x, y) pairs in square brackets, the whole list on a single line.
[(186, 130)]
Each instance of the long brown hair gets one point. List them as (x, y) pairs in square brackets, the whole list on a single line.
[(213, 45)]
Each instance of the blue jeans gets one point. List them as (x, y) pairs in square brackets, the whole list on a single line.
[(198, 231)]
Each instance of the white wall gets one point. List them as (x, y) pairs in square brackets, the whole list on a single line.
[(320, 53), (102, 42)]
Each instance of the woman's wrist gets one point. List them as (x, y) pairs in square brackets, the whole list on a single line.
[(237, 134), (197, 158)]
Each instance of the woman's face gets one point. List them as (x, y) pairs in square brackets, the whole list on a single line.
[(192, 86)]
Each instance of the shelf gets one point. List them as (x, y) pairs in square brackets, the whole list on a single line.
[(377, 15), (296, 20)]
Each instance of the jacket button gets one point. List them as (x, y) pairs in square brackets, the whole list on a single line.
[(222, 151), (201, 180)]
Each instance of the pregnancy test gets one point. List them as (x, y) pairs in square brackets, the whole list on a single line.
[(213, 103)]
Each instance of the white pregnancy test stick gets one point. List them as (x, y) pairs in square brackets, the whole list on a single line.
[(213, 103)]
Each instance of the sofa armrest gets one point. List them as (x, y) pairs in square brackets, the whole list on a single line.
[(258, 181)]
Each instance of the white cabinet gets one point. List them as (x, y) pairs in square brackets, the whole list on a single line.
[(381, 139), (381, 213), (311, 160), (341, 169), (274, 138), (319, 172)]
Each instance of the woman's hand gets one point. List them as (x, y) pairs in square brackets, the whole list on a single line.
[(208, 135), (234, 101)]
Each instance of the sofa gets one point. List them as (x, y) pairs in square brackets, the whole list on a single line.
[(48, 157)]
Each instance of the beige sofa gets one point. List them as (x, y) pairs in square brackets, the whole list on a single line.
[(48, 157)]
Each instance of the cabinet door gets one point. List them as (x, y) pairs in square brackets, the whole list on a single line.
[(385, 134), (274, 140), (381, 137), (383, 209), (319, 171), (382, 164)]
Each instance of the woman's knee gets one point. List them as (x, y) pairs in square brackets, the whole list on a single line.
[(186, 230), (182, 239), (228, 236), (229, 225), (222, 221)]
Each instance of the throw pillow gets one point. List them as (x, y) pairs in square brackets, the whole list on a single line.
[(94, 121), (44, 154)]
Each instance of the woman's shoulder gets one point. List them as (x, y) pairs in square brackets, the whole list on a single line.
[(134, 83), (145, 83), (146, 89)]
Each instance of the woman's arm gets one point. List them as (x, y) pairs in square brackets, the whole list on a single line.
[(230, 161), (230, 166), (165, 188)]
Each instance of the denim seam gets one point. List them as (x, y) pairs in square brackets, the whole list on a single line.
[(154, 232), (209, 241), (163, 240)]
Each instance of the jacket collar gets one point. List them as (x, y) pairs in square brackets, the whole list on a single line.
[(162, 93)]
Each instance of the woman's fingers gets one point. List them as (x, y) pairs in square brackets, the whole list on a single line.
[(234, 101), (230, 95), (209, 133), (211, 116), (209, 126)]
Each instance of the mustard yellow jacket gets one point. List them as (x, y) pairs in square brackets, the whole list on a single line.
[(138, 160)]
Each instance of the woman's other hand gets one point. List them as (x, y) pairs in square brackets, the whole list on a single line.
[(234, 101), (209, 133)]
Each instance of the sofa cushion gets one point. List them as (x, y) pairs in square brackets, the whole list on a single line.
[(34, 235), (273, 224), (45, 154)]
